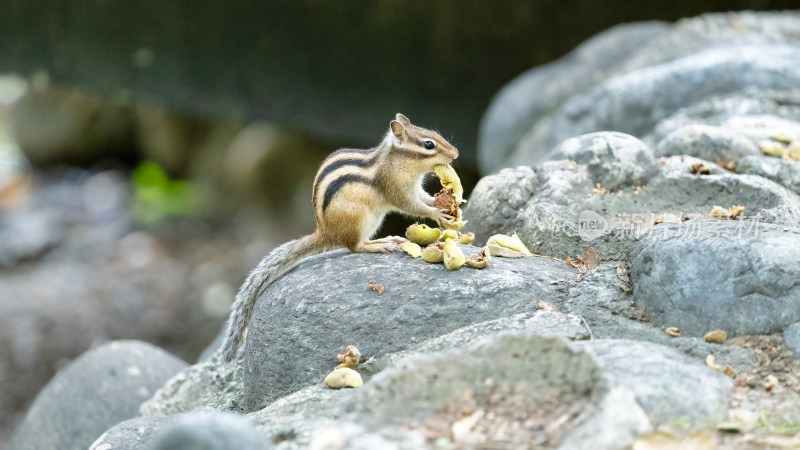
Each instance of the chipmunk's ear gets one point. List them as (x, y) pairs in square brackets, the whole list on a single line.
[(402, 119), (398, 129)]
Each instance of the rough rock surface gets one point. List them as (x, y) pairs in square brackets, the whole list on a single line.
[(784, 172), (611, 182), (720, 275), (317, 318), (715, 144), (513, 109), (192, 431), (792, 337), (423, 395), (653, 88), (101, 388)]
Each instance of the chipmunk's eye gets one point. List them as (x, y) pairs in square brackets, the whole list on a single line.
[(429, 145)]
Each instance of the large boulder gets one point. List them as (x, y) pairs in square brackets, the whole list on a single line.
[(316, 317), (607, 192), (702, 275), (715, 70), (191, 431), (103, 387), (541, 90)]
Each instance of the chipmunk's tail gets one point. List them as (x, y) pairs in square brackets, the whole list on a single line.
[(268, 270)]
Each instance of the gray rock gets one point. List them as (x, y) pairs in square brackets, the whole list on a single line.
[(526, 369), (99, 389), (693, 35), (133, 434), (210, 385), (707, 142), (318, 316), (635, 102), (211, 432), (552, 205), (537, 92), (27, 234), (754, 113), (781, 171), (666, 383), (792, 337), (615, 160), (205, 385), (192, 431), (603, 300), (738, 276), (542, 323)]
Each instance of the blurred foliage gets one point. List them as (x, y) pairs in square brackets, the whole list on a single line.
[(157, 197)]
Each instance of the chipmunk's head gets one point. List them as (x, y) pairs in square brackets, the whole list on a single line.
[(421, 145)]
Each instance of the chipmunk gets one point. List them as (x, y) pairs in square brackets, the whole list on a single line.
[(353, 191)]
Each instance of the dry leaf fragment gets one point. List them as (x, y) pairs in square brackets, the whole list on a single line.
[(716, 337), (547, 306), (350, 358), (729, 165), (673, 331), (585, 263), (372, 285), (736, 210)]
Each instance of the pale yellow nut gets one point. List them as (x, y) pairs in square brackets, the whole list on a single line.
[(673, 331), (342, 378), (457, 225), (481, 260), (498, 242), (794, 151), (467, 239), (449, 234), (772, 148), (716, 337), (718, 212), (782, 136), (422, 234), (453, 256), (433, 254), (413, 250), (449, 179)]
